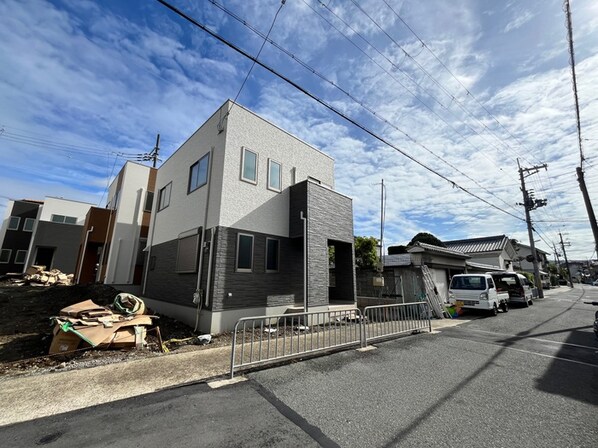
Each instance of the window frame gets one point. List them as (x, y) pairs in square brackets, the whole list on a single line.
[(197, 164), (20, 252), (270, 187), (161, 194), (237, 268), (28, 220), (9, 255), (243, 178), (149, 204), (189, 236), (277, 240), (10, 220)]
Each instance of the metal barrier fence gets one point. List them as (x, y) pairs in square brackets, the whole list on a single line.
[(384, 321), (261, 339)]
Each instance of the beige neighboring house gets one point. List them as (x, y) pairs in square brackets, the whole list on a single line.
[(495, 251)]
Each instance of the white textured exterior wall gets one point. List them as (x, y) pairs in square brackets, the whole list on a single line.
[(233, 202), (187, 211), (65, 207), (127, 222), (4, 226), (255, 207)]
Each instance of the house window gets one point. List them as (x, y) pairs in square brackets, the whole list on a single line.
[(198, 173), (272, 254), (28, 225), (249, 166), (164, 198), (149, 201), (187, 252), (20, 257), (274, 175), (5, 255), (244, 252), (61, 219), (13, 223)]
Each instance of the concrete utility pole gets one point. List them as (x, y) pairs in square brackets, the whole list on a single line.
[(579, 169), (530, 203), (558, 261), (566, 261), (156, 151)]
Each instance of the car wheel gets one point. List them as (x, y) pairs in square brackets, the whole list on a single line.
[(494, 311), (505, 307), (528, 303), (531, 302)]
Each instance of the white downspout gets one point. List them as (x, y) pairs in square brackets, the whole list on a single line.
[(83, 250)]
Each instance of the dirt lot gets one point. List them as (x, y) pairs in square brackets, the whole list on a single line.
[(26, 330)]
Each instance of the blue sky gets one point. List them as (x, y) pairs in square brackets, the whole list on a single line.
[(82, 83)]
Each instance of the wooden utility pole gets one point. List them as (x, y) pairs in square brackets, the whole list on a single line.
[(530, 203)]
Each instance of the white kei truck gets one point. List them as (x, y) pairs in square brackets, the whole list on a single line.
[(478, 291)]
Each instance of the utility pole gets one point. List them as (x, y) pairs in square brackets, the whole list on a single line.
[(579, 169), (381, 220), (558, 261), (566, 261), (530, 203), (156, 151)]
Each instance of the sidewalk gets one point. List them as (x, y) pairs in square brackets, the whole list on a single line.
[(36, 396)]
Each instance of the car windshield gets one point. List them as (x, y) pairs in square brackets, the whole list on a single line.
[(474, 282)]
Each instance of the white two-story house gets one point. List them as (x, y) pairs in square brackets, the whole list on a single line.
[(242, 221)]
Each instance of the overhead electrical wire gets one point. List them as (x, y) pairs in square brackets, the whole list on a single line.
[(328, 106), (408, 76), (376, 114)]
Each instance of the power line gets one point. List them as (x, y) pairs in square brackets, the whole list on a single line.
[(327, 105), (369, 109)]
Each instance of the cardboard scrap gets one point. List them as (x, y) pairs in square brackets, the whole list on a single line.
[(37, 275), (98, 327)]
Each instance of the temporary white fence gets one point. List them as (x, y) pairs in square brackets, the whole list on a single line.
[(260, 340), (385, 321)]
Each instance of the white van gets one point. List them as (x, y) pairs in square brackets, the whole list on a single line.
[(477, 291)]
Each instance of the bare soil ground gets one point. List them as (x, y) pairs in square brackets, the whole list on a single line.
[(26, 330)]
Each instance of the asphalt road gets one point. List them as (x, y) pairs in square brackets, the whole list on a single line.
[(527, 378)]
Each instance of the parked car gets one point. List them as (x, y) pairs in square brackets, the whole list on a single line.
[(517, 285), (477, 291)]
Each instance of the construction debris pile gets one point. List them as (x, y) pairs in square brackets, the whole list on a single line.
[(37, 275), (88, 325)]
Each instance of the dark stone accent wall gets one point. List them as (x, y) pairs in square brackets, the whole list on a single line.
[(330, 220), (257, 288), (18, 239), (163, 283), (64, 238)]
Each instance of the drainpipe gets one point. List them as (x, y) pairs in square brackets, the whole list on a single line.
[(84, 249), (203, 238), (150, 242), (209, 279), (305, 304)]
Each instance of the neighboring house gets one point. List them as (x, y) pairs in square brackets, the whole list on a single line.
[(495, 251), (522, 264), (42, 233), (113, 239), (227, 233), (403, 277), (56, 237), (16, 234)]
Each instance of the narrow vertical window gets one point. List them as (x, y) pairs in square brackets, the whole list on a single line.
[(164, 199), (28, 225), (272, 254), (274, 175), (149, 201), (249, 166), (244, 252), (20, 257), (198, 173), (5, 255), (13, 223)]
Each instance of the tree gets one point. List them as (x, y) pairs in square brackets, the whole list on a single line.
[(428, 238), (366, 248), (393, 250)]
